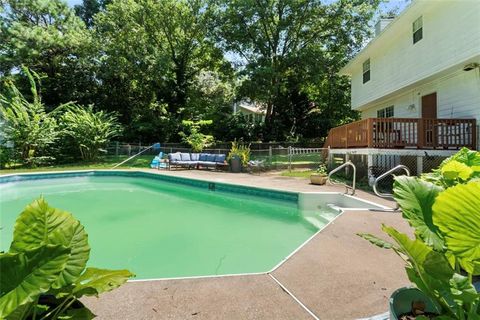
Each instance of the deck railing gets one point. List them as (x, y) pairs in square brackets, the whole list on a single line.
[(405, 133)]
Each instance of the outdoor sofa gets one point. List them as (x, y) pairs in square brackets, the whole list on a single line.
[(196, 160)]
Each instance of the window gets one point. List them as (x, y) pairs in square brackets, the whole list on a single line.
[(366, 71), (385, 112), (417, 30)]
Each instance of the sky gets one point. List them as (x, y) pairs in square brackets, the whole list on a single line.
[(392, 4)]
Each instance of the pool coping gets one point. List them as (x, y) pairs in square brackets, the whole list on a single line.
[(266, 273), (133, 172)]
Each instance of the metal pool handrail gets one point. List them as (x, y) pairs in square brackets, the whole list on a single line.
[(384, 175), (347, 187)]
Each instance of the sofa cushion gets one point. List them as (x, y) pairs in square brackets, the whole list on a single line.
[(173, 157), (210, 158), (207, 163), (185, 156), (220, 158), (203, 157), (194, 156)]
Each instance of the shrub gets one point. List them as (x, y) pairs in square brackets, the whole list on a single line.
[(195, 139), (5, 156), (90, 131), (44, 272), (26, 123)]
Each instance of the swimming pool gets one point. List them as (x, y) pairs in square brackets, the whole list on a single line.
[(166, 227)]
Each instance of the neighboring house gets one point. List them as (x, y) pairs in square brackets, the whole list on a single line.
[(253, 111), (417, 83)]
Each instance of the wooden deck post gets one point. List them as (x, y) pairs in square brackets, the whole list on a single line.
[(474, 135), (370, 133), (420, 133), (346, 136)]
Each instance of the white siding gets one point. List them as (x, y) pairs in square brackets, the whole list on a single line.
[(458, 96), (451, 37)]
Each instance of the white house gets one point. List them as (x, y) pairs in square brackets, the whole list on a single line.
[(253, 111), (417, 82)]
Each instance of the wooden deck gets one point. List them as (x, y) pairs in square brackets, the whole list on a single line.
[(390, 133)]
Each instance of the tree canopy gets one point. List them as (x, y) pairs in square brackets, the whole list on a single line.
[(156, 63)]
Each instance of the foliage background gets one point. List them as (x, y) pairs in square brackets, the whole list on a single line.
[(156, 63)]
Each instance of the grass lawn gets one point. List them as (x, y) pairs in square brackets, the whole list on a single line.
[(313, 158), (142, 161)]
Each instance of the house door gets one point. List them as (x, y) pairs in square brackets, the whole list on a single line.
[(429, 115)]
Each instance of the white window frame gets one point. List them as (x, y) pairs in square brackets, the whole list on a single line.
[(366, 71), (388, 112), (417, 28)]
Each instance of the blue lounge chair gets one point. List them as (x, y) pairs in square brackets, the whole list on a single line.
[(157, 162)]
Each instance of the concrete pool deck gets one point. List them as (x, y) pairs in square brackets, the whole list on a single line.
[(336, 275)]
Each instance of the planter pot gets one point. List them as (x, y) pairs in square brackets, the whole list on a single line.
[(476, 283), (318, 179), (402, 300), (235, 165)]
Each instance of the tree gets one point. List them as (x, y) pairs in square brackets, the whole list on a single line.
[(49, 39), (288, 46), (153, 56), (88, 9)]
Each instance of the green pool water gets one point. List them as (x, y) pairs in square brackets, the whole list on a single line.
[(160, 229)]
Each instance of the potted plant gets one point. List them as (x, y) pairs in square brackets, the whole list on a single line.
[(238, 156), (320, 175), (44, 272), (443, 260)]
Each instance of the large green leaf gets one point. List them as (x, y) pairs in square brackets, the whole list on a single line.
[(416, 197), (376, 240), (96, 281), (434, 276), (454, 170), (24, 276), (466, 156), (457, 213), (40, 224), (418, 253)]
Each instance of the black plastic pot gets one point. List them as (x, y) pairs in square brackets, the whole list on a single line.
[(235, 165), (402, 299)]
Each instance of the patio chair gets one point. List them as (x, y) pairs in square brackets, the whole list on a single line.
[(157, 162), (256, 165)]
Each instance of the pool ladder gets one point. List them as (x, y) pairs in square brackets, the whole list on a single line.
[(388, 195), (347, 187)]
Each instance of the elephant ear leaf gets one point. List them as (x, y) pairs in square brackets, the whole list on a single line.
[(376, 240), (416, 197), (457, 213), (39, 224), (96, 281), (26, 275), (454, 170)]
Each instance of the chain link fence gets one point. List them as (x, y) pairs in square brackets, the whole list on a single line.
[(373, 164), (291, 156), (269, 156)]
